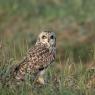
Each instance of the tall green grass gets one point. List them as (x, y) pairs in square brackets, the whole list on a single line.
[(62, 78)]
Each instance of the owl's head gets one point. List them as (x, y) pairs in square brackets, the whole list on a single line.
[(48, 38)]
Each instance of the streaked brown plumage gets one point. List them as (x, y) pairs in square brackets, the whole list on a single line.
[(39, 57)]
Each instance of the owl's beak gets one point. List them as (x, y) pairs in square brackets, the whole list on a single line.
[(48, 40)]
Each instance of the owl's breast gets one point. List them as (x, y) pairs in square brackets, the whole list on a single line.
[(40, 57)]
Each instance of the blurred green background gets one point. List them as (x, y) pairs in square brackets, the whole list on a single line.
[(72, 20), (74, 23)]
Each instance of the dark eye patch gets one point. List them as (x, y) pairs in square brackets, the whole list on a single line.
[(44, 37), (52, 37)]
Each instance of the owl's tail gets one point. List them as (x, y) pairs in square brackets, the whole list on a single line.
[(8, 74)]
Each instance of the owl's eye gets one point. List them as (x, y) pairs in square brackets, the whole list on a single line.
[(44, 37), (52, 37)]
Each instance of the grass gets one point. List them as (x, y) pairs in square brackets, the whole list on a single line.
[(63, 78)]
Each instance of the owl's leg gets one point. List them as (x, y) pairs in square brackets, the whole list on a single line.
[(41, 77)]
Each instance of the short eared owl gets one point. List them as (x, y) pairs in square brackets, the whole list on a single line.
[(39, 57)]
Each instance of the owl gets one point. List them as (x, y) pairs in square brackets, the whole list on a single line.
[(38, 58)]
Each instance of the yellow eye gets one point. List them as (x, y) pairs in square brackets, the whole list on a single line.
[(44, 37)]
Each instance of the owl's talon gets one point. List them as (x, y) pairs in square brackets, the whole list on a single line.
[(41, 80)]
